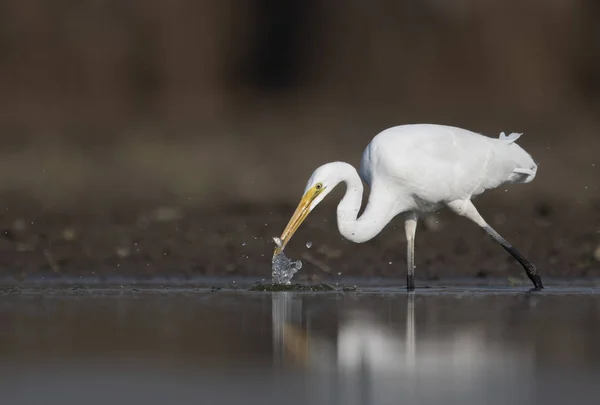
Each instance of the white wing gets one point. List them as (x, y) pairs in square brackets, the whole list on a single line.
[(439, 163)]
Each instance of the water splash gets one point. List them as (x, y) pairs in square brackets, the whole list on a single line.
[(283, 268)]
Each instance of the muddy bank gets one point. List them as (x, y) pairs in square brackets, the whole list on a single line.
[(236, 240)]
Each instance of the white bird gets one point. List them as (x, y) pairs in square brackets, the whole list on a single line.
[(412, 169)]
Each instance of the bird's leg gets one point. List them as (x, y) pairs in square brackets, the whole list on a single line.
[(467, 209), (410, 226)]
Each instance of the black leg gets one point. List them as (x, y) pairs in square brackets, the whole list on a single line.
[(527, 265), (467, 209)]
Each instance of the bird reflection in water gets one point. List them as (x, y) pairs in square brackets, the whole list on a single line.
[(369, 361)]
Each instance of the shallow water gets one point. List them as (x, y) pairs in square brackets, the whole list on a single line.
[(380, 345)]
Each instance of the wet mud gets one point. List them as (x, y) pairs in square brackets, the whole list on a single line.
[(236, 241)]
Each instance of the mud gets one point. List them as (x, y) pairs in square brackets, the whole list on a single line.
[(236, 241)]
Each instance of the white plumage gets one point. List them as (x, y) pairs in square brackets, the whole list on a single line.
[(419, 168), (439, 163)]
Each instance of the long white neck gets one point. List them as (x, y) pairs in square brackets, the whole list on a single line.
[(374, 218)]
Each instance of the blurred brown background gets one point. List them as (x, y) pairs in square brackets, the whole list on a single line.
[(107, 104)]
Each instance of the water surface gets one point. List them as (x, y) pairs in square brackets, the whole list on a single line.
[(380, 345)]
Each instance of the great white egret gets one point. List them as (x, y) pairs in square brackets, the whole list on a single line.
[(413, 169)]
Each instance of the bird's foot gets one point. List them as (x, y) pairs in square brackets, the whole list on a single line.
[(410, 282), (537, 281)]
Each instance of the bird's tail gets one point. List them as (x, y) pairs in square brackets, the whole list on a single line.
[(525, 168), (524, 175)]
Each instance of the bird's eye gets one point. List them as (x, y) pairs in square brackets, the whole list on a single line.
[(319, 186)]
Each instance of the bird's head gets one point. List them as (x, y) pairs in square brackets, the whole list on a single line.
[(322, 182)]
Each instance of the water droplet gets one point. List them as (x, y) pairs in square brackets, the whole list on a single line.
[(309, 244), (339, 273), (243, 243)]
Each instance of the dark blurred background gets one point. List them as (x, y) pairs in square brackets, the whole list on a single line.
[(113, 105)]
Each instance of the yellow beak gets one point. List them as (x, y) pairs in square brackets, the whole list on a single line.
[(299, 216)]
